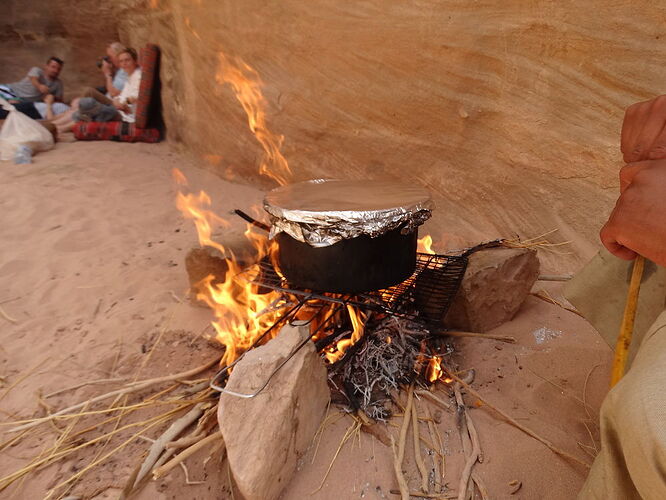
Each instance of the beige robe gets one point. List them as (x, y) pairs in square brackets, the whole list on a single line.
[(632, 460)]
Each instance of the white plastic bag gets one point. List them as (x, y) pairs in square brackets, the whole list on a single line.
[(20, 129)]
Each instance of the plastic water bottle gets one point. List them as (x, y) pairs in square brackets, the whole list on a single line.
[(23, 155)]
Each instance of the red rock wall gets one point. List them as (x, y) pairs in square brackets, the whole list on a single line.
[(31, 31), (509, 111)]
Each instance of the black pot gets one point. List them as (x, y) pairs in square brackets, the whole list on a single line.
[(360, 264)]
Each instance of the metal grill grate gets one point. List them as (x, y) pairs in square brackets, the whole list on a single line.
[(426, 295)]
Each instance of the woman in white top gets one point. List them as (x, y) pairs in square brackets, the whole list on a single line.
[(125, 102)]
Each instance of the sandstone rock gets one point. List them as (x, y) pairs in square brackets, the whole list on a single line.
[(266, 435), (204, 261), (496, 283)]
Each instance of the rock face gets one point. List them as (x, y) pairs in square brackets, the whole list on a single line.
[(496, 283), (78, 31), (515, 105), (266, 435), (204, 261)]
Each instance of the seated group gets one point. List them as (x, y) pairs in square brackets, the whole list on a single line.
[(40, 94)]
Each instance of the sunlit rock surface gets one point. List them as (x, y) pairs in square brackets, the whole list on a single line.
[(509, 112)]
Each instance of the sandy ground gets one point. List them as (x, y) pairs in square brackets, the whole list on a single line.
[(92, 273)]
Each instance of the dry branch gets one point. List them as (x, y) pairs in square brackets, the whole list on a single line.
[(519, 426), (405, 425), (397, 466), (417, 450), (467, 431), (434, 399), (426, 495), (161, 471), (487, 336), (169, 435), (133, 387), (83, 384)]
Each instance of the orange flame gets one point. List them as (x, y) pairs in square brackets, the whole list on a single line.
[(434, 370), (424, 244), (241, 314), (246, 84), (194, 207), (178, 177), (334, 353)]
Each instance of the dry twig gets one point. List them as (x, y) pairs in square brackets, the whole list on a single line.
[(161, 471), (397, 466), (405, 425), (487, 336), (417, 450), (434, 399), (171, 433), (518, 425), (546, 297), (83, 384), (7, 316), (133, 387)]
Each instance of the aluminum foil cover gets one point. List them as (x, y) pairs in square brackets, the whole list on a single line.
[(322, 212)]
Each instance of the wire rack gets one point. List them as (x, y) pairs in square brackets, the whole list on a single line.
[(426, 295)]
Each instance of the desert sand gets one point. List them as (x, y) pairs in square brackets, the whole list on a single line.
[(93, 286)]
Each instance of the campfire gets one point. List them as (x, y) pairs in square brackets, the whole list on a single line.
[(368, 299)]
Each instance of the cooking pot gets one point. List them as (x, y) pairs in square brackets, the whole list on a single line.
[(346, 236), (359, 264)]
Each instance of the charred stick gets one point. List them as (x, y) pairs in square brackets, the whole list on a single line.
[(252, 220)]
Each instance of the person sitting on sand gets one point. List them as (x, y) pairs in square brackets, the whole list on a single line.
[(114, 76), (27, 95)]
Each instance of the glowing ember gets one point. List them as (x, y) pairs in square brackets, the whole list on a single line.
[(246, 84), (424, 245)]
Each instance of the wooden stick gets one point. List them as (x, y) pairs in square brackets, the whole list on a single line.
[(7, 316), (169, 435), (397, 466), (472, 454), (134, 387), (554, 277), (501, 338), (405, 425), (426, 495), (417, 450), (434, 399), (545, 296), (518, 425), (158, 473), (627, 328), (433, 439), (83, 384)]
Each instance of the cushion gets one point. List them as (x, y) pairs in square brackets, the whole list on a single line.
[(114, 131), (148, 58)]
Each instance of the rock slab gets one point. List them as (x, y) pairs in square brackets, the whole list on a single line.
[(496, 283), (266, 435)]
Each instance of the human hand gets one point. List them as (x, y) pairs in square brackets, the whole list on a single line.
[(107, 69), (637, 224), (43, 88), (644, 131), (49, 98)]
